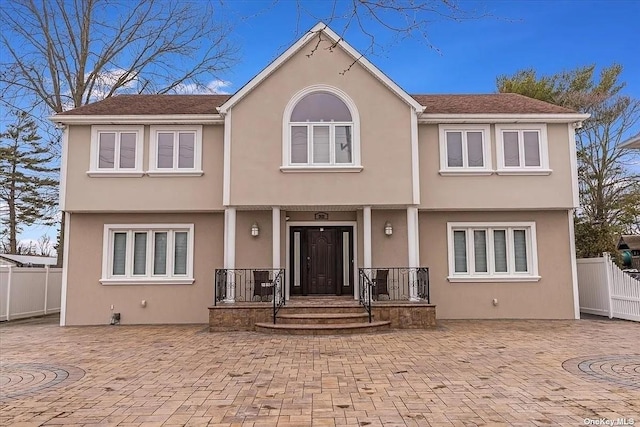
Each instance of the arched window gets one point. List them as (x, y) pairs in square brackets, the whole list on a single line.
[(321, 130)]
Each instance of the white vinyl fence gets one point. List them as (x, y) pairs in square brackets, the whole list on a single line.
[(606, 290), (26, 292)]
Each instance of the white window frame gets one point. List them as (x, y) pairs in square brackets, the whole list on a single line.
[(543, 169), (116, 171), (288, 166), (491, 275), (445, 169), (196, 170), (108, 278)]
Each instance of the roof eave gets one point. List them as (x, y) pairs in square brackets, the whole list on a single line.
[(302, 41), (502, 118), (632, 143), (201, 119)]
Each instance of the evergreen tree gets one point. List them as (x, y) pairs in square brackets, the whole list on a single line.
[(28, 182)]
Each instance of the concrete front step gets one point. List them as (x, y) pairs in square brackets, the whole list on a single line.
[(300, 309), (322, 318), (323, 329)]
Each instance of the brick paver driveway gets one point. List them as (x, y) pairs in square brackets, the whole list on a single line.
[(462, 373)]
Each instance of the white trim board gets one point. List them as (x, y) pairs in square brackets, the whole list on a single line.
[(185, 119), (440, 118)]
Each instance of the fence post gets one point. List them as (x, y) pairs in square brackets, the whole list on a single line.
[(608, 269), (9, 293), (46, 287)]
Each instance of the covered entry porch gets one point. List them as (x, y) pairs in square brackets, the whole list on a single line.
[(260, 304), (291, 258)]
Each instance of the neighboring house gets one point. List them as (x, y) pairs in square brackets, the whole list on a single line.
[(629, 246), (27, 260), (633, 142), (316, 169)]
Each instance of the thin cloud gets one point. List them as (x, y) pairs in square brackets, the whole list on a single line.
[(213, 87)]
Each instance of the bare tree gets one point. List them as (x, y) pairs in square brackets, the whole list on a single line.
[(609, 188), (62, 54), (66, 54), (44, 247), (384, 23)]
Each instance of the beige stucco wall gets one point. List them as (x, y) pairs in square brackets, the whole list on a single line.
[(550, 298), (113, 194), (496, 191), (254, 252), (385, 138), (88, 301), (389, 251)]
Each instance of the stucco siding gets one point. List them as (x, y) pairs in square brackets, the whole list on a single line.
[(89, 302), (257, 138), (549, 298), (496, 191), (389, 251), (254, 252), (146, 193)]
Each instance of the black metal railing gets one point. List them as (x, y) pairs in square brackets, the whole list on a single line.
[(395, 283), (278, 292), (366, 286), (249, 285)]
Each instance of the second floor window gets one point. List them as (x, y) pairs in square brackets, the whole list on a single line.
[(522, 149), (464, 149), (116, 150), (321, 131), (176, 149)]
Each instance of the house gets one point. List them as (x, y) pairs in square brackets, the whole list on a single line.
[(27, 260), (328, 175), (633, 142), (629, 246)]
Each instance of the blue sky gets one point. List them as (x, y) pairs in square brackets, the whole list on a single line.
[(549, 36)]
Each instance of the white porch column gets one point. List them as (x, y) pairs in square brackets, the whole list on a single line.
[(574, 266), (275, 212), (367, 236), (65, 269), (230, 250), (278, 293), (412, 242)]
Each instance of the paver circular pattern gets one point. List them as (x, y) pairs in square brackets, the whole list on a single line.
[(622, 370), (21, 379)]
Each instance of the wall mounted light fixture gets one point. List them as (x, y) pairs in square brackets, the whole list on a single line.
[(388, 229), (255, 230)]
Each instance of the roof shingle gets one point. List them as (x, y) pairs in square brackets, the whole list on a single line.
[(495, 103), (134, 105)]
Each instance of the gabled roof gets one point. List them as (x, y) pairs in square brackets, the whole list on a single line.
[(629, 241), (151, 105), (320, 27), (495, 103), (185, 105), (633, 142)]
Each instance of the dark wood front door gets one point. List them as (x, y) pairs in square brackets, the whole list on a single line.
[(321, 260)]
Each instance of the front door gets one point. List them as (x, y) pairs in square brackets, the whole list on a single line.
[(321, 260)]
